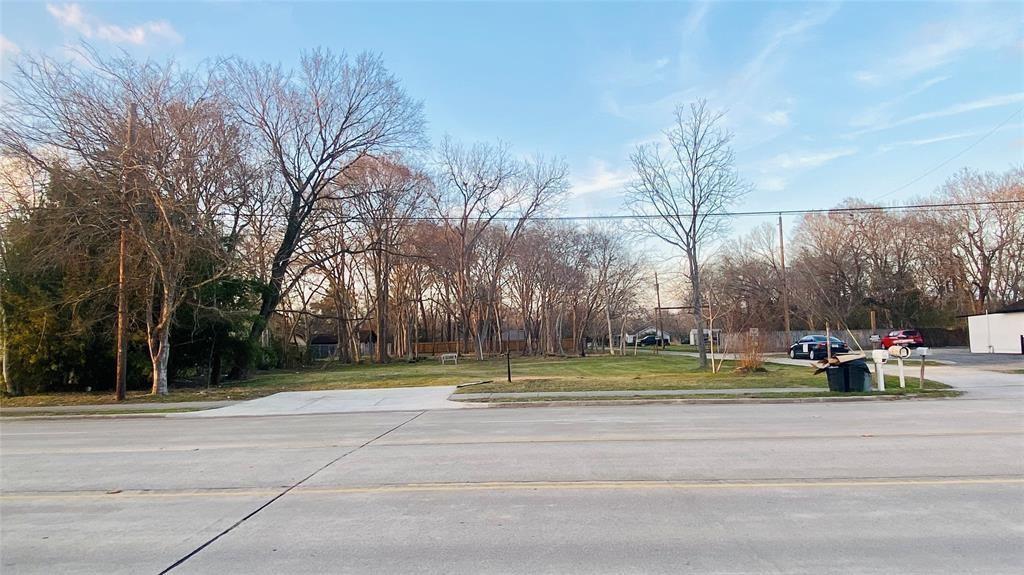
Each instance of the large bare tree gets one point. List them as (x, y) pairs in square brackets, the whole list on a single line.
[(679, 192), (477, 187), (312, 125), (171, 177)]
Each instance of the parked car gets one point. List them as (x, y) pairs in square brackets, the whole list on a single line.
[(905, 337), (814, 347), (650, 339)]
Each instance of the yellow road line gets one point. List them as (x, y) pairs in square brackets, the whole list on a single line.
[(523, 486)]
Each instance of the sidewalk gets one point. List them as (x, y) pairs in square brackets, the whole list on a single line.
[(633, 393)]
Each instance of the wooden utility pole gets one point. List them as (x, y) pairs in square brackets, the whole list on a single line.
[(785, 283), (657, 314), (122, 288)]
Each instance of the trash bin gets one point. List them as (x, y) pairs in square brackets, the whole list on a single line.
[(850, 376)]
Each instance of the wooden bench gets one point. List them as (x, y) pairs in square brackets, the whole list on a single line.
[(452, 356)]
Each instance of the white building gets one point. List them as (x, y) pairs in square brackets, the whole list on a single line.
[(1001, 331)]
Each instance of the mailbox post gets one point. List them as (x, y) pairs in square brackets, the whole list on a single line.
[(900, 353), (880, 356), (923, 352)]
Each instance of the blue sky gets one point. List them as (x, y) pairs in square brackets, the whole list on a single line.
[(826, 100)]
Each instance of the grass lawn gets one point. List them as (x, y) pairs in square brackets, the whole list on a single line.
[(529, 374)]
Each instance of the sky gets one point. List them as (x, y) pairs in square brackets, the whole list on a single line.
[(880, 101)]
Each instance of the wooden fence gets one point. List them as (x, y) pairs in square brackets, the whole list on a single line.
[(439, 347)]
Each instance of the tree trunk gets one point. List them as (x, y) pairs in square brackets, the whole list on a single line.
[(10, 385), (698, 307), (608, 318), (382, 319)]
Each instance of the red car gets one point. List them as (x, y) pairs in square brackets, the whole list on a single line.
[(904, 337)]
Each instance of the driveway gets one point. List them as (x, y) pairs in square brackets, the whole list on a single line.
[(341, 401)]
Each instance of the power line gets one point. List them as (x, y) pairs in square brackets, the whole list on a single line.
[(953, 157), (950, 206)]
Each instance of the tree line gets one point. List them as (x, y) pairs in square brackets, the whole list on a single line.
[(260, 205), (223, 217)]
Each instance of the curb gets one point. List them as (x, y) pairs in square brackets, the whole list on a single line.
[(9, 418), (713, 401)]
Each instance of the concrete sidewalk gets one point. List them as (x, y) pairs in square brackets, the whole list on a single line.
[(632, 393), (342, 401)]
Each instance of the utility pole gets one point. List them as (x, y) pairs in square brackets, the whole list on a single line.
[(122, 288), (785, 283), (657, 314)]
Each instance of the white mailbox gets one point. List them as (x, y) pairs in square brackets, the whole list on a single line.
[(923, 351), (899, 351), (879, 355)]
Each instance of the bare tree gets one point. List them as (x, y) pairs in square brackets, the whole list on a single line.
[(477, 186), (386, 195), (174, 180), (678, 194), (312, 126)]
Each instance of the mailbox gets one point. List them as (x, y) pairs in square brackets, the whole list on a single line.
[(899, 351), (923, 351), (879, 355)]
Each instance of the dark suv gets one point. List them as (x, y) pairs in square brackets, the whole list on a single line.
[(650, 339), (814, 347)]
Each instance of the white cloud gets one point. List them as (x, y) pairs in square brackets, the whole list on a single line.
[(942, 138), (8, 48), (695, 18), (771, 184), (72, 17), (954, 110), (778, 118), (882, 113), (761, 64), (939, 43), (809, 160), (924, 141), (600, 179)]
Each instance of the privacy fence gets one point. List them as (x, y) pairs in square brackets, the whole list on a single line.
[(515, 346)]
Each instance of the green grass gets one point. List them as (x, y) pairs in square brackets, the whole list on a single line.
[(529, 374), (640, 372)]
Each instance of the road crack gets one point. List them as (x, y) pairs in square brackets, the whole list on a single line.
[(253, 513)]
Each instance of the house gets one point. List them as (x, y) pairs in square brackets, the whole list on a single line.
[(708, 334), (323, 346), (1001, 331)]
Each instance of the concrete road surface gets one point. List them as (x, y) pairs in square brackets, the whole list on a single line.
[(881, 487)]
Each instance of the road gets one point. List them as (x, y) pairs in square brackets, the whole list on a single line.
[(880, 487)]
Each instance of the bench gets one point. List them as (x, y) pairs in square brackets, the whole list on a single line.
[(452, 356)]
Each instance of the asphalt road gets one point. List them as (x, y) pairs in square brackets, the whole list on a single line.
[(878, 487)]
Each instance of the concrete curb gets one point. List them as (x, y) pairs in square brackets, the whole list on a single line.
[(10, 418), (710, 401)]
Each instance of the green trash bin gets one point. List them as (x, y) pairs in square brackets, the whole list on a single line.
[(837, 380), (852, 376)]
